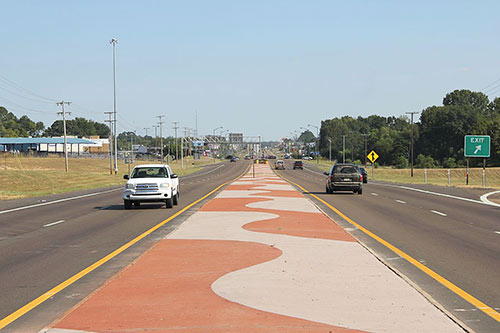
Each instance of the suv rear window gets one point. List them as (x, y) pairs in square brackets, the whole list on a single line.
[(298, 162), (345, 169)]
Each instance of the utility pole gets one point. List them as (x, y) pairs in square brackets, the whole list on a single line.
[(146, 129), (156, 136), (330, 151), (411, 139), (161, 135), (365, 136), (63, 113), (113, 42), (110, 145), (317, 142), (343, 148), (175, 138)]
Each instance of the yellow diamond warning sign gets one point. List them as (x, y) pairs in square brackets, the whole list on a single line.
[(372, 156)]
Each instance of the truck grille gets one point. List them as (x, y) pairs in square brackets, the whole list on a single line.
[(146, 187)]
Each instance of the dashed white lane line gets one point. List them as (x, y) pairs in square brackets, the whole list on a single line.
[(53, 223), (439, 213), (497, 232), (375, 194), (401, 201)]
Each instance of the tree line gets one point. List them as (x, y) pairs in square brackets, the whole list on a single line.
[(11, 126), (438, 135)]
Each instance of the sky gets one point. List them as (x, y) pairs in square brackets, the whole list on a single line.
[(259, 67)]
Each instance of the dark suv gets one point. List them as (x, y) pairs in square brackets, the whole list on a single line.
[(298, 165), (344, 177)]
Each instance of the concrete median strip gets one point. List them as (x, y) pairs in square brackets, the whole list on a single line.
[(258, 257)]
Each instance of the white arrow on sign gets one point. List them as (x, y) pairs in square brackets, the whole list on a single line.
[(478, 148)]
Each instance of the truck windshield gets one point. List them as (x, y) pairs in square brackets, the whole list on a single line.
[(151, 172)]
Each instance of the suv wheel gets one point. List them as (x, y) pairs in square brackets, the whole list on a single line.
[(176, 198), (127, 204), (360, 190), (169, 203)]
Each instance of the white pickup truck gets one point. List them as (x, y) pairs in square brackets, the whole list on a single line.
[(151, 183)]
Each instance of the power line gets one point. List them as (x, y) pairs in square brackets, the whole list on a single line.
[(23, 107), (17, 86), (489, 85)]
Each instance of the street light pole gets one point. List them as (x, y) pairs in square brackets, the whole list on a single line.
[(113, 42), (411, 138)]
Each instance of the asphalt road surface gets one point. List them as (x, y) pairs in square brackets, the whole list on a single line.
[(459, 239), (46, 243)]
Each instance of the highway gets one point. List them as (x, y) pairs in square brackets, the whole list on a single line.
[(454, 235), (45, 241)]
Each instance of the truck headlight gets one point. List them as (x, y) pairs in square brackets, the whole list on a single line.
[(165, 185), (129, 186)]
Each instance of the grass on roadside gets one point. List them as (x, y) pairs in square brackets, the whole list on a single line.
[(37, 176), (434, 176)]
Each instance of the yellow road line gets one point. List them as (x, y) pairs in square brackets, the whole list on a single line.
[(457, 290), (42, 298)]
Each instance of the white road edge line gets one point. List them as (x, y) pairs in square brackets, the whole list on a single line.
[(401, 201), (57, 201), (53, 223), (439, 213), (484, 198), (445, 195), (204, 173)]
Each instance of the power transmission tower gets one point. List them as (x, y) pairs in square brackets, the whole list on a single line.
[(110, 145), (161, 135), (175, 129), (63, 113), (411, 139)]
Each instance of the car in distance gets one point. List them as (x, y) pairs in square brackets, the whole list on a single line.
[(365, 174), (298, 165), (233, 159), (344, 177), (280, 165), (151, 183)]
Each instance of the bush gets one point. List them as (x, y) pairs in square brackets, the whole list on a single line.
[(425, 162), (450, 163), (401, 162)]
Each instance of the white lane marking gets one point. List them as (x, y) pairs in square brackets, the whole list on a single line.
[(440, 194), (204, 173), (439, 213), (497, 232), (401, 201), (53, 223), (57, 201), (375, 194), (484, 198), (319, 173)]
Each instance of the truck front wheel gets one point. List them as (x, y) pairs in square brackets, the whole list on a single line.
[(169, 203), (176, 198), (127, 204)]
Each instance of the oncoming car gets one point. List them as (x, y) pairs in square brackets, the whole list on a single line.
[(151, 183), (280, 165)]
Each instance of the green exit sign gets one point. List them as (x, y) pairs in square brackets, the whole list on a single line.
[(477, 146)]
